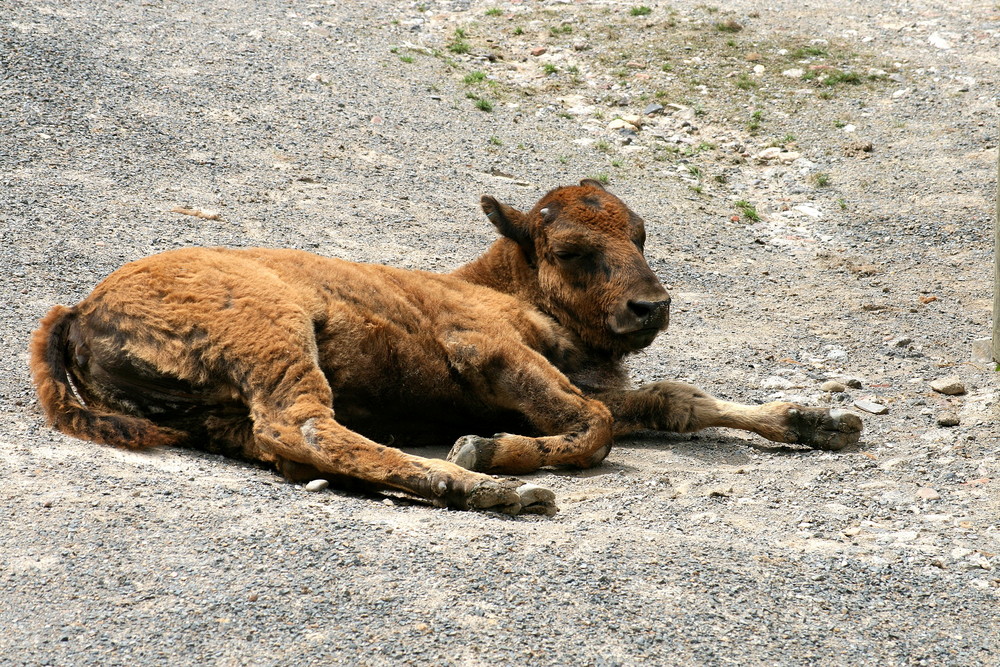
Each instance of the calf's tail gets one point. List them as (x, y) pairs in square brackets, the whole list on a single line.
[(64, 408)]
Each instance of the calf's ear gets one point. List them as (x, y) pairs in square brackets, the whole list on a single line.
[(593, 183), (509, 221)]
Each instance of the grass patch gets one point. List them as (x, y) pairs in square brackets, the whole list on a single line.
[(837, 77), (495, 141), (747, 210), (406, 59), (820, 179), (484, 104), (641, 10), (458, 43), (601, 178), (474, 77), (806, 52), (729, 26), (550, 68), (746, 82), (494, 11)]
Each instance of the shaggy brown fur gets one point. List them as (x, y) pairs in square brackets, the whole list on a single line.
[(302, 361)]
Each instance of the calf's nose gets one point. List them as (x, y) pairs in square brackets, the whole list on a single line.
[(650, 313)]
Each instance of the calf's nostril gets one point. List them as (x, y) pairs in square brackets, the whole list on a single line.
[(641, 309)]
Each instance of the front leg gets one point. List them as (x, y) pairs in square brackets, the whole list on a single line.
[(683, 408)]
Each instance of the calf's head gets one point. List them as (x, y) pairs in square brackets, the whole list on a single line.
[(584, 248)]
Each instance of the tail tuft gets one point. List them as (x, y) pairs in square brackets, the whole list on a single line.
[(64, 409)]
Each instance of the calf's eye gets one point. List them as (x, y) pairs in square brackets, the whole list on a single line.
[(567, 255)]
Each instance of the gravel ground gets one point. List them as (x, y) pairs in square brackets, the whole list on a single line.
[(818, 182)]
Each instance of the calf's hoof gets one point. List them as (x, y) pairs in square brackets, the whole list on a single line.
[(821, 428), (473, 452), (512, 496)]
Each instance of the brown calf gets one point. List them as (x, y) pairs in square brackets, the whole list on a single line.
[(286, 357)]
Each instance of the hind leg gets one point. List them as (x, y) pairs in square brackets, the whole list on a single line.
[(294, 427)]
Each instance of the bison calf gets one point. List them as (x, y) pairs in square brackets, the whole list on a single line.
[(306, 362)]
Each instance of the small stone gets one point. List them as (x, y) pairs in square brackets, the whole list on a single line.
[(853, 383), (759, 70), (537, 51), (958, 553), (776, 382), (902, 341), (621, 124), (753, 57), (653, 108), (871, 406), (979, 561), (317, 485), (767, 154), (939, 42), (852, 531), (927, 493), (833, 386), (948, 419), (634, 119), (949, 386), (794, 73)]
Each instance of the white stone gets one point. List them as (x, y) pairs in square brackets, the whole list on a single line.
[(813, 213), (775, 382), (317, 485), (939, 42), (794, 73), (622, 124)]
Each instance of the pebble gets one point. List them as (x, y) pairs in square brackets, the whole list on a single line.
[(853, 383), (939, 42), (852, 531), (871, 406), (948, 419), (776, 382), (317, 485), (833, 386), (767, 154), (949, 386), (927, 493), (652, 108), (794, 73), (539, 51), (621, 124)]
